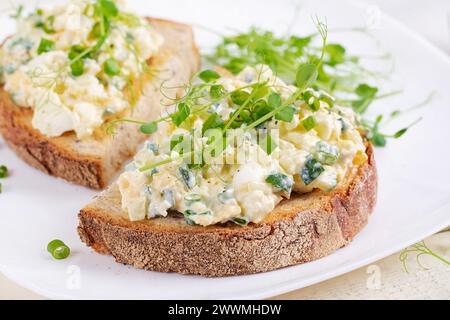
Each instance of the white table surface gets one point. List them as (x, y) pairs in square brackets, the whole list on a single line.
[(385, 279)]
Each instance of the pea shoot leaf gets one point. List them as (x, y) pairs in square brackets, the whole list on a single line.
[(108, 8), (239, 97), (149, 128), (216, 91), (274, 100), (366, 96), (400, 133), (260, 91), (213, 122), (286, 114), (336, 54), (307, 73), (209, 75), (183, 113)]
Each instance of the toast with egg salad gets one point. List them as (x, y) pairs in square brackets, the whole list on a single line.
[(249, 175), (71, 70)]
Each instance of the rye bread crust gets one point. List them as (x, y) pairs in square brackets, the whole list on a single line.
[(302, 229), (93, 164)]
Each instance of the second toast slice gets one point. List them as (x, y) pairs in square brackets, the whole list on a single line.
[(94, 162)]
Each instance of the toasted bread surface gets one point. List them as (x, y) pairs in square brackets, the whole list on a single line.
[(305, 228), (94, 162)]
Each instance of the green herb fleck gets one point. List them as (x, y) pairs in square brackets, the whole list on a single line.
[(111, 67), (312, 170), (191, 198), (281, 182), (326, 153), (45, 46), (188, 177), (58, 249), (3, 171), (189, 213), (187, 217), (77, 68), (242, 221), (309, 123), (47, 26)]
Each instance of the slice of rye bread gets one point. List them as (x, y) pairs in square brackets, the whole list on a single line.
[(94, 162), (305, 228)]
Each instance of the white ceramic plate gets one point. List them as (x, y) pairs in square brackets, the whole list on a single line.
[(414, 195)]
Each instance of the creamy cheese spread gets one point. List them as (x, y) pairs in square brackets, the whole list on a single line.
[(314, 149), (72, 64)]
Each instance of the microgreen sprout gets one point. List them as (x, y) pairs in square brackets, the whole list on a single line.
[(107, 17), (377, 137), (338, 73), (420, 249), (255, 104)]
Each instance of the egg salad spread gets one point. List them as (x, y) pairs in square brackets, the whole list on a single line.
[(73, 64), (269, 148)]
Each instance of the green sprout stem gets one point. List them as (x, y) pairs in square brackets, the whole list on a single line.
[(420, 249)]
